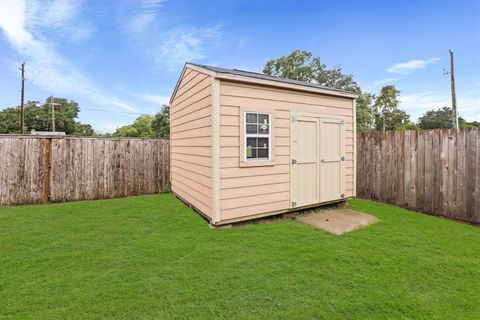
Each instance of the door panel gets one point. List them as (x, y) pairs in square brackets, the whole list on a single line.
[(317, 149), (331, 160), (305, 172)]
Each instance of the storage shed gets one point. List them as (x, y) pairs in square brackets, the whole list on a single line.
[(245, 145)]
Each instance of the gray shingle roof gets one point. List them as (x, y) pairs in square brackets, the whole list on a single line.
[(262, 76)]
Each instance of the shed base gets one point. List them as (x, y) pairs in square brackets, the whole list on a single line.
[(274, 213), (229, 222)]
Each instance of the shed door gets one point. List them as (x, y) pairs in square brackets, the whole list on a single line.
[(331, 160), (317, 172), (305, 161)]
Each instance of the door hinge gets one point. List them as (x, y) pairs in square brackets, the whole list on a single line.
[(342, 195), (294, 204), (294, 161), (342, 158), (342, 122), (294, 119)]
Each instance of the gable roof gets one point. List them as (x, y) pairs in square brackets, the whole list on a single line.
[(239, 75)]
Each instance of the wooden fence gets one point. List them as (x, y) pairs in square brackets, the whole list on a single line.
[(434, 171), (55, 169)]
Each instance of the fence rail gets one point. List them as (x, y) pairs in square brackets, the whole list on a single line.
[(57, 169), (434, 171)]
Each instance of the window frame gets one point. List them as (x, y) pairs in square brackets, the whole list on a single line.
[(257, 135)]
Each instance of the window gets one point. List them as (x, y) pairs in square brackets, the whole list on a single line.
[(257, 136)]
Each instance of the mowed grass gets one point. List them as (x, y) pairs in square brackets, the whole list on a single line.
[(151, 257)]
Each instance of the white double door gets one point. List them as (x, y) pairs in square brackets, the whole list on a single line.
[(317, 152)]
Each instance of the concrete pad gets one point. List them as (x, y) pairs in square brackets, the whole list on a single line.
[(339, 221)]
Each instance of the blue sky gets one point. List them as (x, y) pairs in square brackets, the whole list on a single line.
[(119, 59)]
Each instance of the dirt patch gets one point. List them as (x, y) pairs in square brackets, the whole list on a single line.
[(339, 221)]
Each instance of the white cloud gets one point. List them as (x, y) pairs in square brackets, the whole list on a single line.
[(160, 100), (416, 104), (185, 45), (410, 66), (23, 25), (61, 17), (144, 15), (385, 81)]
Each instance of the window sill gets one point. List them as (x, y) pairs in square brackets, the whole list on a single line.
[(259, 163)]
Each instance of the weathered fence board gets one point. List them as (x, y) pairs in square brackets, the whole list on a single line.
[(57, 169), (434, 171)]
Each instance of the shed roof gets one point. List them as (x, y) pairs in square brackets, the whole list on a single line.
[(236, 74)]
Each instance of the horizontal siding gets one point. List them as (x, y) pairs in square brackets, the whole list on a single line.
[(255, 190), (250, 191), (190, 126), (262, 207)]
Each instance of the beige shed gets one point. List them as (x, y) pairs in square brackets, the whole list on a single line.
[(245, 145)]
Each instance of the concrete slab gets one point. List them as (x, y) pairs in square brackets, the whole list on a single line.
[(339, 221)]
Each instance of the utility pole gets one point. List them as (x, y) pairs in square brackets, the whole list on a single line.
[(52, 109), (454, 95), (22, 117)]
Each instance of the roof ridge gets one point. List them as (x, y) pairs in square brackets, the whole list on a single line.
[(257, 75)]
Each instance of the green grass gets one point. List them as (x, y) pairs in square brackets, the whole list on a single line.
[(151, 257)]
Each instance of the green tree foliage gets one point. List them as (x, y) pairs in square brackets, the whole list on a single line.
[(303, 66), (365, 118), (437, 118), (408, 126), (386, 112), (462, 123), (161, 123), (147, 126), (38, 117), (140, 128), (443, 118)]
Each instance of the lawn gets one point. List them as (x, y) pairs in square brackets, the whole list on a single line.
[(152, 257)]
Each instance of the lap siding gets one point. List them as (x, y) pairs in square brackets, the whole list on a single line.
[(248, 191), (191, 140)]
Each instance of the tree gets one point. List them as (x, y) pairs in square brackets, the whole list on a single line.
[(386, 112), (9, 120), (38, 117), (303, 66), (147, 126), (465, 124), (408, 126), (365, 118), (161, 123), (141, 128), (437, 118)]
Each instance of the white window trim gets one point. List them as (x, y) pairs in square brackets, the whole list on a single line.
[(257, 135)]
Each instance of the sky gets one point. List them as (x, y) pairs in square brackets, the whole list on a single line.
[(122, 58)]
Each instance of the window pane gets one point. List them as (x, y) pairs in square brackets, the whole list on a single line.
[(263, 153), (263, 118), (252, 128), (251, 153), (251, 142), (262, 143), (252, 117), (263, 128)]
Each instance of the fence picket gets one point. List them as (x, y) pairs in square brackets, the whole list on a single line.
[(55, 169), (435, 171)]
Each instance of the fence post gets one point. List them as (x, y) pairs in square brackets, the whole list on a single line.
[(48, 167)]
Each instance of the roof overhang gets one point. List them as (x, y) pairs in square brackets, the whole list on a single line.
[(263, 82)]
